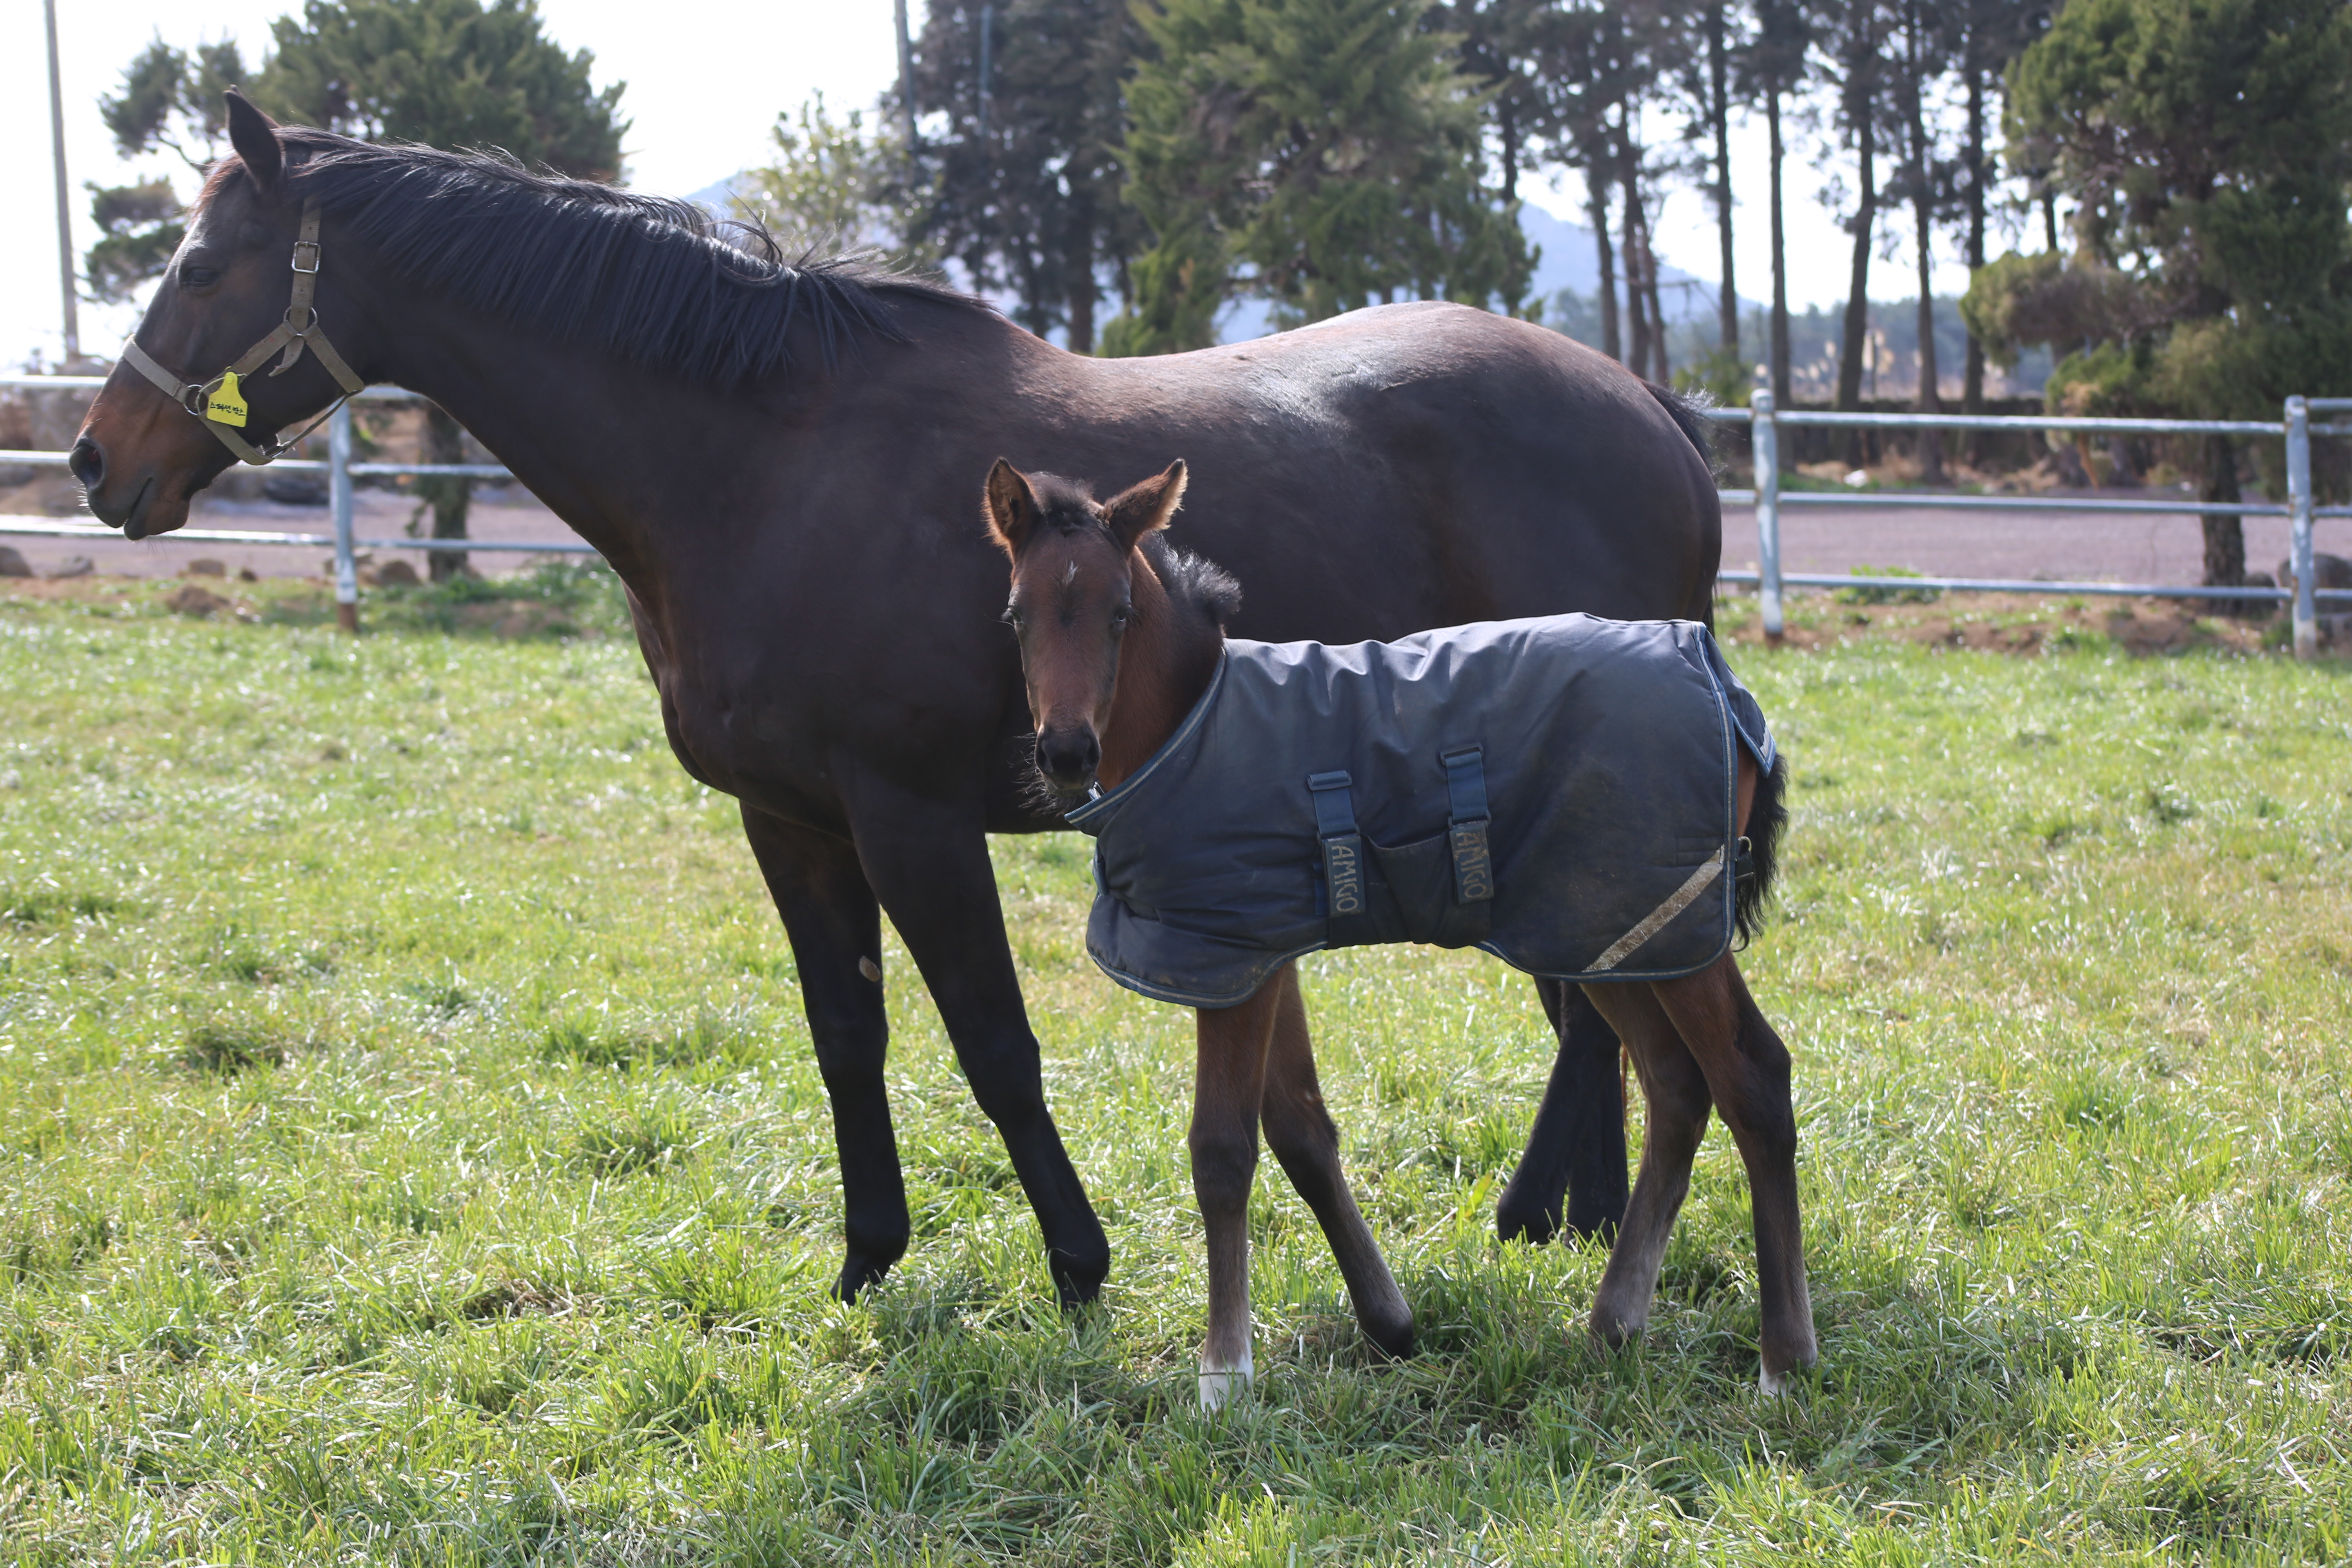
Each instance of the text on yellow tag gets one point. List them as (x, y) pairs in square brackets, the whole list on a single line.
[(227, 405)]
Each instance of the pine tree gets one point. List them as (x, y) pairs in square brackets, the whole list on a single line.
[(1023, 185), (2207, 147), (1323, 154)]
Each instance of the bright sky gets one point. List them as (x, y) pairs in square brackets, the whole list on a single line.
[(706, 80)]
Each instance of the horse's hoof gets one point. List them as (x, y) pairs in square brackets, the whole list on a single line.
[(858, 1271), (1393, 1341), (1222, 1386), (1611, 1332), (1077, 1282), (1769, 1383)]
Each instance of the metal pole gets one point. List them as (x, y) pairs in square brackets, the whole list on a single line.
[(65, 202), (2298, 511), (338, 496), (1764, 440)]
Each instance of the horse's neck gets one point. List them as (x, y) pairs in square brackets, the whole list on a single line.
[(1165, 663)]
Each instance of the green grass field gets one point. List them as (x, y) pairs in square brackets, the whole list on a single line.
[(412, 1152)]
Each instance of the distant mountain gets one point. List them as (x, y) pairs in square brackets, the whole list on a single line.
[(1567, 260)]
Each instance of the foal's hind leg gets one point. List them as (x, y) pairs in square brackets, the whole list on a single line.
[(1231, 1046), (1676, 1095), (1747, 1070), (1299, 1131)]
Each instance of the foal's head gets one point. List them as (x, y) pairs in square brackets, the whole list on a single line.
[(1077, 586)]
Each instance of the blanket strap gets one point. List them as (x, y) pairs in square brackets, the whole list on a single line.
[(1343, 847), (1465, 788)]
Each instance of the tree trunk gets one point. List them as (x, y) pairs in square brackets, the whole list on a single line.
[(1719, 111), (1923, 223), (1779, 257), (1082, 288), (451, 495), (2225, 533), (1857, 299), (1596, 204), (1509, 122), (1636, 302), (1972, 385)]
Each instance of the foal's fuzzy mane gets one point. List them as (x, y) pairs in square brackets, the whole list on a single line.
[(1194, 582), (655, 281)]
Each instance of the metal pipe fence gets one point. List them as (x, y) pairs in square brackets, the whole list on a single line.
[(1768, 495)]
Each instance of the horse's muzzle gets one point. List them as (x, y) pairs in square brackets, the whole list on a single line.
[(1067, 758)]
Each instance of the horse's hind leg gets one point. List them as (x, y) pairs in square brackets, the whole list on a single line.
[(1747, 1070), (1575, 1158), (1231, 1046), (1299, 1132), (1676, 1094)]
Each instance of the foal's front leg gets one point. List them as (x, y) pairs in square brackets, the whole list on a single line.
[(1229, 1081)]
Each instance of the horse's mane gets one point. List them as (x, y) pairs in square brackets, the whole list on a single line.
[(1195, 582), (655, 281)]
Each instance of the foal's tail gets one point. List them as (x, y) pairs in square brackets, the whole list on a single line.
[(1768, 814)]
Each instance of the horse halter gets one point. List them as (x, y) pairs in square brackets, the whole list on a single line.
[(298, 329)]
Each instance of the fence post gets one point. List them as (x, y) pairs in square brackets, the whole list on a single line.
[(338, 496), (2298, 511), (1764, 442)]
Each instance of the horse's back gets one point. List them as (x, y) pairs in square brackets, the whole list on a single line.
[(1494, 467)]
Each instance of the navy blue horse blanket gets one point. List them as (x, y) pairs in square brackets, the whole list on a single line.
[(1560, 792)]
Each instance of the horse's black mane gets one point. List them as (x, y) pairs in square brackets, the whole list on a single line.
[(655, 281)]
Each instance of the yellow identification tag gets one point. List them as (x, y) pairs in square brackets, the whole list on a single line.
[(227, 405)]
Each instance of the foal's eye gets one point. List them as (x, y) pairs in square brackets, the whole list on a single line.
[(1010, 617), (198, 277), (1119, 617)]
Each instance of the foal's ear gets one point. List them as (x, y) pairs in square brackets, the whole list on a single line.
[(1145, 507), (254, 136), (1012, 508)]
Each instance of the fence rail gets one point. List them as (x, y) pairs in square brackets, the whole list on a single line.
[(1764, 422), (1768, 496)]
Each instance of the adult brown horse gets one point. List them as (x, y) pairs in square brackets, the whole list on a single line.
[(760, 449)]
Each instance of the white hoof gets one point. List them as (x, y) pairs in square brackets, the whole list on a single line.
[(1771, 1387), (1220, 1386)]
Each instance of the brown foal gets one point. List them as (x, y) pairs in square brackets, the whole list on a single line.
[(1115, 653)]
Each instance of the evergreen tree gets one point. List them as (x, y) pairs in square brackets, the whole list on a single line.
[(1322, 155), (169, 99), (449, 73), (1023, 185), (2207, 145)]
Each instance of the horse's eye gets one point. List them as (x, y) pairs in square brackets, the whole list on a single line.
[(1010, 617), (198, 277), (1119, 617)]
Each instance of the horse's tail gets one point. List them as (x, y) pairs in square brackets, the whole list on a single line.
[(1768, 814), (1689, 413)]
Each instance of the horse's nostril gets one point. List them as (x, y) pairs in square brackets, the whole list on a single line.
[(87, 463), (1068, 756)]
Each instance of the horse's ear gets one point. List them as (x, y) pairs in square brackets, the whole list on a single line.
[(1013, 510), (254, 136), (1145, 507)]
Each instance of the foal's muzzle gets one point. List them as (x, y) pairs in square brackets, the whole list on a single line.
[(1067, 758)]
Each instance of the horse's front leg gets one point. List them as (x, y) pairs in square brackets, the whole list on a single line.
[(1575, 1158), (1298, 1129), (927, 859), (1229, 1083), (835, 929)]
